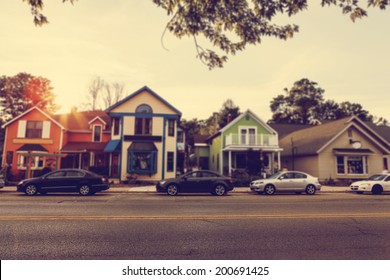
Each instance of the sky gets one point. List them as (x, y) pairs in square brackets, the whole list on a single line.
[(121, 41)]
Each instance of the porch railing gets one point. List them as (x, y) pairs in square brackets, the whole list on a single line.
[(251, 140)]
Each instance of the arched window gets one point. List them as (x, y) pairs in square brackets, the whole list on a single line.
[(143, 120)]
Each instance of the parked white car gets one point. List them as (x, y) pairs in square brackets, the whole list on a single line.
[(376, 184), (292, 181)]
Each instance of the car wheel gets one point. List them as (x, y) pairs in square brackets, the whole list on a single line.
[(85, 190), (220, 190), (377, 189), (172, 190), (269, 189), (31, 190), (310, 189)]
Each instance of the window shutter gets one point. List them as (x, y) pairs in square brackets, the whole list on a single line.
[(22, 129), (46, 129)]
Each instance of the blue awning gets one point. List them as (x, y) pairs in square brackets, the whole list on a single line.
[(113, 146)]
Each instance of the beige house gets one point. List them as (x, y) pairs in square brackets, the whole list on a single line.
[(143, 142), (341, 150)]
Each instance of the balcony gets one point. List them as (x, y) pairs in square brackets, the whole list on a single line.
[(251, 140)]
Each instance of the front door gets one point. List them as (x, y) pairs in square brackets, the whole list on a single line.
[(115, 165)]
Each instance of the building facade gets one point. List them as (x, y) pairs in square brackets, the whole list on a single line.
[(143, 142)]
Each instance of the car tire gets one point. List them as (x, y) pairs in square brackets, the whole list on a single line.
[(377, 189), (269, 190), (172, 190), (84, 190), (310, 190), (220, 190), (31, 190)]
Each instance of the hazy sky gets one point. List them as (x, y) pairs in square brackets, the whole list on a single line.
[(120, 41)]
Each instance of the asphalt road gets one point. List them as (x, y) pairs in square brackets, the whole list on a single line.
[(327, 226)]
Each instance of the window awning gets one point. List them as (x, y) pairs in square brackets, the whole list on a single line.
[(362, 152), (113, 146), (32, 148), (142, 146)]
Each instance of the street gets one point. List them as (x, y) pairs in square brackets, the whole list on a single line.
[(326, 226)]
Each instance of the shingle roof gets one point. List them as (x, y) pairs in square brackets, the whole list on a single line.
[(309, 140), (80, 120)]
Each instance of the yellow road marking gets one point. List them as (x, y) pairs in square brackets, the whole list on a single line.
[(199, 217)]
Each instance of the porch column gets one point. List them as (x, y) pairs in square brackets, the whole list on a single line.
[(80, 159), (279, 163), (230, 163)]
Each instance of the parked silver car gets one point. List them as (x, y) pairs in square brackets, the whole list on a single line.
[(291, 181)]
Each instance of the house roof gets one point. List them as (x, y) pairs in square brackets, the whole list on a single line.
[(285, 129), (314, 139), (238, 118), (81, 120), (145, 88), (47, 115)]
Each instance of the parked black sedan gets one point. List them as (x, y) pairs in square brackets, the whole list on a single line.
[(202, 181), (65, 180)]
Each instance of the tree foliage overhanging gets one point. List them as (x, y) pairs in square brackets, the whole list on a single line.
[(232, 25)]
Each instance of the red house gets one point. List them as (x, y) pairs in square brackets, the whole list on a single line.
[(36, 141)]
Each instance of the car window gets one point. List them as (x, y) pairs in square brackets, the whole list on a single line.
[(195, 174), (56, 174), (299, 175), (387, 179), (74, 174), (209, 175), (286, 176)]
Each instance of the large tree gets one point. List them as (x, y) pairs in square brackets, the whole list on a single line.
[(304, 104), (299, 105), (232, 25), (20, 92)]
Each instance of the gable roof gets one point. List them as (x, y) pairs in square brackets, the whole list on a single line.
[(81, 120), (145, 88), (47, 115), (313, 140), (240, 117)]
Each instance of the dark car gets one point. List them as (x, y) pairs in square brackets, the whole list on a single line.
[(202, 181), (65, 180)]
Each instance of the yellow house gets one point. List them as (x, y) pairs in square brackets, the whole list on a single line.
[(143, 142)]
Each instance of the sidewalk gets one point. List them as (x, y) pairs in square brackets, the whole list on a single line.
[(149, 189)]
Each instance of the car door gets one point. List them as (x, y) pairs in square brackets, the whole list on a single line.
[(74, 179), (386, 184), (285, 182), (299, 181), (206, 182), (191, 182), (54, 181)]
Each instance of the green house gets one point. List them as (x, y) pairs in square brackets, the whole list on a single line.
[(247, 135)]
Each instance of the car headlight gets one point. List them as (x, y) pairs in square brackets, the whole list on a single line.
[(162, 182), (258, 183)]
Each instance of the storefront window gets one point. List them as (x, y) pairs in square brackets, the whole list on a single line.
[(142, 158), (350, 165)]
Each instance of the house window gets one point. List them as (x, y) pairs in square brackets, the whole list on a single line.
[(115, 124), (248, 136), (170, 161), (143, 120), (34, 129), (385, 164), (142, 158), (171, 127), (97, 133), (180, 136), (350, 165), (36, 162)]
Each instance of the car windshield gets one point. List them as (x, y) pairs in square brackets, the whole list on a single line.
[(377, 177)]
